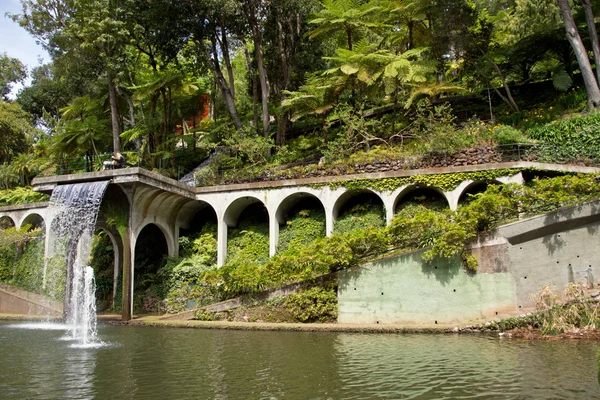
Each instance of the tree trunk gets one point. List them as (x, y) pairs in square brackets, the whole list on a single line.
[(591, 85), (282, 117), (213, 64), (254, 88), (264, 83), (114, 113), (227, 61), (589, 19)]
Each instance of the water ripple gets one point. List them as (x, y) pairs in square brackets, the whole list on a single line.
[(144, 363)]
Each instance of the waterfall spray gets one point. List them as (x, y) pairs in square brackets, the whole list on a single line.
[(76, 208)]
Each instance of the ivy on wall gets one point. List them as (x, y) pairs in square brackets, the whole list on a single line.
[(445, 182)]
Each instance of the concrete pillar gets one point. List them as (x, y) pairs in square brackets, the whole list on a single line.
[(329, 221), (388, 205), (516, 178), (452, 198), (127, 284), (48, 252), (221, 242), (273, 234)]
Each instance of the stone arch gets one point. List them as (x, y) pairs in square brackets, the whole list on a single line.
[(415, 191), (350, 198), (6, 221), (33, 219)]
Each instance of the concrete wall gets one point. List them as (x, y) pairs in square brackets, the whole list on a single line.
[(17, 301), (515, 262), (405, 290)]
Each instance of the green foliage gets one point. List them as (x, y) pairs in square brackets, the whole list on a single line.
[(360, 216), (304, 227), (570, 135), (15, 130), (103, 261), (206, 316), (316, 304), (444, 182), (22, 259), (505, 134), (11, 71), (249, 242), (21, 195)]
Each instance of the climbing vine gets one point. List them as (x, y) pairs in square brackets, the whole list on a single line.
[(445, 182)]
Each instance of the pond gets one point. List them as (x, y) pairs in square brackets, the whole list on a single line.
[(161, 363)]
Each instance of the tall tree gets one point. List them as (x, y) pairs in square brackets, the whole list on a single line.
[(11, 71), (95, 26), (589, 80)]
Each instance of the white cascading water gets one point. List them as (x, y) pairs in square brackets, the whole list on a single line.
[(76, 208)]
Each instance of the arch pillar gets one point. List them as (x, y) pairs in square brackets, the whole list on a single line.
[(273, 234), (221, 241), (388, 205), (454, 195), (516, 178), (329, 220), (127, 271)]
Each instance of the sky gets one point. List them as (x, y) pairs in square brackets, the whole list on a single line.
[(15, 41)]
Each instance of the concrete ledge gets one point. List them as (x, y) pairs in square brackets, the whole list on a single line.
[(557, 221), (21, 207), (290, 327), (137, 174)]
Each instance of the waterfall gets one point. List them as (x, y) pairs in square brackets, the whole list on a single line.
[(76, 211)]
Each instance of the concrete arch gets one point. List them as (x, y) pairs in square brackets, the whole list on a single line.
[(467, 186), (343, 198), (169, 238), (117, 243), (35, 219), (234, 209), (190, 209), (409, 189), (229, 218), (286, 204)]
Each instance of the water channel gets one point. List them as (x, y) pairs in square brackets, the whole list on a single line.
[(169, 363)]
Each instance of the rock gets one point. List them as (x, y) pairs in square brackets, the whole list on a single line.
[(456, 330)]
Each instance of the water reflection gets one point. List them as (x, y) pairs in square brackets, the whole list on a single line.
[(205, 364)]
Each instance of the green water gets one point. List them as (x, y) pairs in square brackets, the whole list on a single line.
[(165, 363)]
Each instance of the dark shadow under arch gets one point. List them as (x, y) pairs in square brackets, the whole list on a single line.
[(474, 188), (6, 222), (358, 209), (33, 221), (151, 251), (301, 218), (428, 197)]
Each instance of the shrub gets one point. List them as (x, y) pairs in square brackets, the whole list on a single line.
[(317, 304), (505, 134), (20, 195)]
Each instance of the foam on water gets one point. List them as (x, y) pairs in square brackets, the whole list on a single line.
[(42, 326)]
